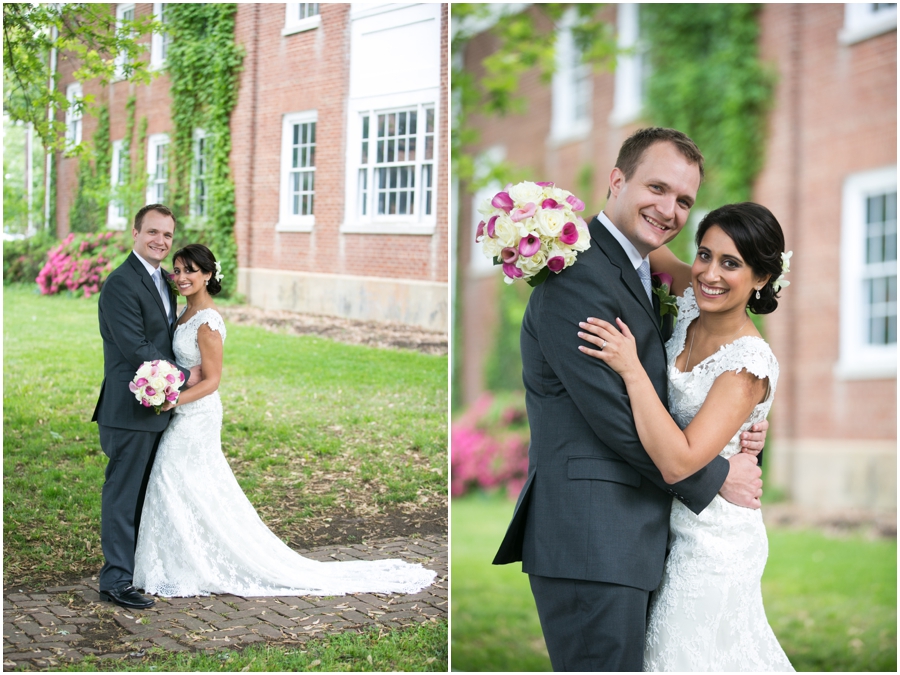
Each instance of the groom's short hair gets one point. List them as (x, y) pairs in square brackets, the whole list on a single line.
[(632, 151), (159, 208)]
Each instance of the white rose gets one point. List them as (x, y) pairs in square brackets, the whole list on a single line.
[(485, 208), (550, 222), (558, 194), (526, 192), (508, 232), (491, 247)]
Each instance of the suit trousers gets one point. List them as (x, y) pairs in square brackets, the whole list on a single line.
[(591, 625), (131, 455)]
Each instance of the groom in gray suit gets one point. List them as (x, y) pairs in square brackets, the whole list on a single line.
[(137, 316), (591, 523)]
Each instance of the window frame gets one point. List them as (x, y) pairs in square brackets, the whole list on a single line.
[(159, 41), (859, 360), (564, 126), (198, 220), (628, 92), (372, 223), (153, 143), (113, 220), (292, 24), (121, 10), (862, 23), (74, 115), (287, 221)]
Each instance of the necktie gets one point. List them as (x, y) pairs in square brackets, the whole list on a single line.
[(163, 289), (644, 274)]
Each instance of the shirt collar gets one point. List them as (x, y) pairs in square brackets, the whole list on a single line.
[(630, 250), (150, 268)]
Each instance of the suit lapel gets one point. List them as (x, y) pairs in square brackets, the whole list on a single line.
[(629, 276), (147, 280)]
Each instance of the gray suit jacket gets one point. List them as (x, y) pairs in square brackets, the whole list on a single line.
[(594, 506), (134, 328)]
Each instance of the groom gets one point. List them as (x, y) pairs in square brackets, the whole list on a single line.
[(137, 314), (591, 523)]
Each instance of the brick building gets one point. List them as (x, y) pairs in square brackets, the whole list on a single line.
[(339, 149), (830, 178)]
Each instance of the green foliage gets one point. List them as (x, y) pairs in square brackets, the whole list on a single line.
[(92, 193), (503, 371), (15, 190), (832, 602), (87, 32), (23, 259), (707, 81), (203, 62)]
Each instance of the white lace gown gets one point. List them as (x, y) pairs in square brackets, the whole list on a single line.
[(707, 614), (199, 533)]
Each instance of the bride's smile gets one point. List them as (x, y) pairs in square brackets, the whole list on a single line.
[(188, 280)]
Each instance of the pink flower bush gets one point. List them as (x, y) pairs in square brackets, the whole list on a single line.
[(81, 263), (489, 446)]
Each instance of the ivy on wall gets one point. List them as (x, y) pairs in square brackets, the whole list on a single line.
[(89, 207), (707, 81), (203, 61)]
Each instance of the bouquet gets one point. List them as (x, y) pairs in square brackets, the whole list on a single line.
[(531, 229), (155, 383)]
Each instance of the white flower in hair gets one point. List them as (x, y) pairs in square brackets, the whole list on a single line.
[(781, 282), (219, 275)]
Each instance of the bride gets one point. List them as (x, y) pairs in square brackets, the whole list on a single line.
[(707, 614), (199, 534)]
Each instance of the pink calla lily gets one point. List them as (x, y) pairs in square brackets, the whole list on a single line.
[(502, 200), (576, 204), (518, 215), (551, 204), (509, 255), (569, 234), (479, 233), (150, 391), (146, 402), (544, 183), (529, 245), (512, 271), (491, 226), (663, 279), (556, 263)]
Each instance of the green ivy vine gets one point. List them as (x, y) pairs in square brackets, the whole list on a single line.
[(91, 198), (203, 62), (131, 191), (707, 80)]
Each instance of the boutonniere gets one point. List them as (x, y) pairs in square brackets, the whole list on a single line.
[(662, 286), (170, 279)]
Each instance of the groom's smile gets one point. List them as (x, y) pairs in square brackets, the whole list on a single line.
[(153, 241)]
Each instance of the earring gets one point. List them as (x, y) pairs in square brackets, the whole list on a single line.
[(757, 294), (207, 283)]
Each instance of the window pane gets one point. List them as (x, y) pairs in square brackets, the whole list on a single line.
[(429, 121)]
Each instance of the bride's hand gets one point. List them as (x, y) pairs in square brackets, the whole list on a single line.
[(168, 405), (617, 349)]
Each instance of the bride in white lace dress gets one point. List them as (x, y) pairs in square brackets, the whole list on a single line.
[(199, 534), (707, 614)]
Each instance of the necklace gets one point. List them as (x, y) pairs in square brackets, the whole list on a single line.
[(694, 334)]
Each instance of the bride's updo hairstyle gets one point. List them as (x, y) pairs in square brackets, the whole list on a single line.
[(197, 256), (759, 240)]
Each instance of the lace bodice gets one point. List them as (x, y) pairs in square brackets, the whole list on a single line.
[(187, 355), (687, 391)]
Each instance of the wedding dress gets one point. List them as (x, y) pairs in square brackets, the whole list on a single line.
[(707, 614), (199, 534)]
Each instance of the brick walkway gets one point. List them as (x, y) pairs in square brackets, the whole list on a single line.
[(65, 623)]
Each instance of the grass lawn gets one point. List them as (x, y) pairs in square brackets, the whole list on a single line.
[(831, 602), (331, 442)]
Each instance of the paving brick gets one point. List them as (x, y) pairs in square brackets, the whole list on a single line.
[(66, 589), (192, 624), (283, 610), (27, 604), (20, 656), (18, 597), (169, 644), (231, 623), (80, 620), (17, 637), (298, 603), (281, 621), (244, 613), (251, 638), (29, 627), (59, 610), (268, 631), (46, 619)]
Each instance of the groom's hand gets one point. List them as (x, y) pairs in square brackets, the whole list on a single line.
[(743, 485), (752, 441), (195, 376)]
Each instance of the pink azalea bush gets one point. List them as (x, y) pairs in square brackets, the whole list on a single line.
[(489, 446), (81, 263)]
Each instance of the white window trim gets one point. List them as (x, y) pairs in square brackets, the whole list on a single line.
[(74, 93), (419, 224), (157, 62), (628, 103), (113, 220), (120, 58), (292, 25), (861, 23), (288, 222), (563, 127), (195, 220), (152, 143), (859, 360)]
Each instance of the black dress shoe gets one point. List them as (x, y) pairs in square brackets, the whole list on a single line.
[(127, 596)]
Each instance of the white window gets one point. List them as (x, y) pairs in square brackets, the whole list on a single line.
[(572, 87), (124, 12), (73, 114), (116, 218), (864, 20), (298, 172), (869, 275), (159, 43), (158, 169), (200, 176), (300, 16), (628, 96)]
